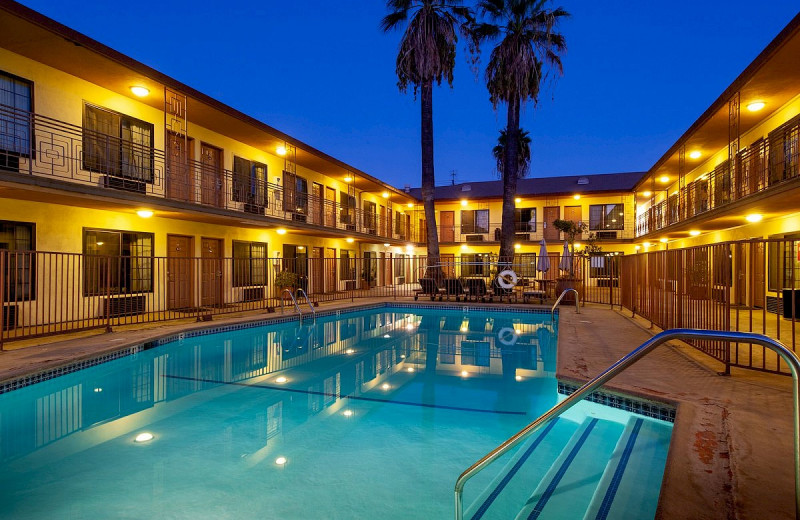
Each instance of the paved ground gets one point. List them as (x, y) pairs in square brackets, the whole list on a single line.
[(731, 451)]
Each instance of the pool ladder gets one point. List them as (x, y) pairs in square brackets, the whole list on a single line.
[(564, 293), (629, 359), (296, 306)]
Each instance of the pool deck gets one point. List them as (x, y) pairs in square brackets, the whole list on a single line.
[(731, 450)]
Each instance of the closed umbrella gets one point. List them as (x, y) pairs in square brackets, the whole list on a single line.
[(543, 263), (566, 259)]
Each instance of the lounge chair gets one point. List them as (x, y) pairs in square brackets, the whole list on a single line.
[(502, 292), (453, 287), (429, 287), (476, 288)]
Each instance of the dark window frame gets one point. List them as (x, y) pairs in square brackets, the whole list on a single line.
[(31, 131), (472, 226), (115, 165), (604, 222), (524, 226), (252, 271), (247, 187), (124, 265), (26, 281)]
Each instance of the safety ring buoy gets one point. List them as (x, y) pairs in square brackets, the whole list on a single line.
[(507, 336), (507, 279)]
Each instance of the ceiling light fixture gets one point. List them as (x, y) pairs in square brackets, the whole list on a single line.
[(144, 213), (663, 179), (647, 194), (280, 231), (280, 150), (694, 232), (349, 240), (518, 200), (348, 179), (755, 106), (576, 197), (140, 91), (463, 202), (754, 217)]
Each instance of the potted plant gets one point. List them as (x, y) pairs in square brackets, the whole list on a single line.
[(285, 280), (568, 280)]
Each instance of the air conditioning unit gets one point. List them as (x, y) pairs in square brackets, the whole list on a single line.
[(9, 317), (474, 238), (123, 183), (252, 294), (606, 235), (525, 237), (9, 162), (124, 306), (254, 209)]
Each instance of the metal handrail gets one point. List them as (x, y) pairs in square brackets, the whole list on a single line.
[(310, 306), (577, 302), (632, 357), (294, 301)]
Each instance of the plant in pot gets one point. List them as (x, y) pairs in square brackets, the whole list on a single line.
[(285, 280), (567, 279)]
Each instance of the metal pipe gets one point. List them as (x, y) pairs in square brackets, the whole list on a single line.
[(294, 301), (561, 297), (303, 292), (629, 359)]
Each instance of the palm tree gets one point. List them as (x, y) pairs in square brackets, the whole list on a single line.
[(427, 54), (523, 155), (527, 39)]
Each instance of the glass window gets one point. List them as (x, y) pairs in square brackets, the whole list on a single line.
[(525, 220), (347, 214), (117, 262), (20, 270), (249, 182), (249, 263), (475, 265), (606, 217), (783, 263), (117, 144), (475, 221), (15, 129), (369, 216), (346, 270), (400, 224)]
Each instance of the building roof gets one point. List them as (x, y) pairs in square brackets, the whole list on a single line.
[(567, 185)]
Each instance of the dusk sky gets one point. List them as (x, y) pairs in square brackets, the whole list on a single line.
[(636, 76)]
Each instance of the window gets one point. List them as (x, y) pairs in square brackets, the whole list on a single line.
[(475, 265), (18, 238), (15, 128), (784, 266), (347, 270), (347, 214), (295, 196), (117, 262), (117, 144), (369, 217), (476, 221), (525, 220), (784, 151), (606, 217), (249, 263), (400, 224), (249, 182)]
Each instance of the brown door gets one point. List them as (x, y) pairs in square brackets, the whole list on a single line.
[(383, 221), (180, 185), (316, 208), (317, 270), (180, 279), (330, 207), (448, 262), (572, 213), (551, 213), (448, 222), (211, 184), (330, 270), (758, 275), (211, 272)]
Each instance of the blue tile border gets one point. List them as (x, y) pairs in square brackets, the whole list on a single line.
[(653, 409), (37, 377)]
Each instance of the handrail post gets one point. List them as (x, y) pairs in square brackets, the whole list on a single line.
[(629, 359), (577, 302)]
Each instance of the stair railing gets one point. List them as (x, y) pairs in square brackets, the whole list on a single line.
[(564, 293), (629, 359), (310, 306), (294, 301)]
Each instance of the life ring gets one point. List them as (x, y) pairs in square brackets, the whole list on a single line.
[(507, 279), (507, 336)]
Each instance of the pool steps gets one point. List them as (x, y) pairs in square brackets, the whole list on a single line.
[(575, 472)]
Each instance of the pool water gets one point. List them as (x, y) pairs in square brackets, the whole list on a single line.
[(371, 414)]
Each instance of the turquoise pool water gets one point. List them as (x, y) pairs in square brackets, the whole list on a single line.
[(372, 414)]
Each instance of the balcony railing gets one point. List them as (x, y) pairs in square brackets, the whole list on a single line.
[(524, 233), (38, 145), (756, 169)]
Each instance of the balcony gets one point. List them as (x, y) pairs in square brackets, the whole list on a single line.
[(525, 233), (34, 145)]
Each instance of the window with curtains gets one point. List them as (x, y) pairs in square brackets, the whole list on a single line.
[(249, 182), (116, 144), (525, 220), (370, 220), (784, 151), (400, 224), (475, 221), (348, 211), (20, 269), (249, 263), (16, 103), (117, 262), (784, 263), (606, 217)]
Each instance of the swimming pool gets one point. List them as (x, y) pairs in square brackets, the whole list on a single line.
[(373, 413)]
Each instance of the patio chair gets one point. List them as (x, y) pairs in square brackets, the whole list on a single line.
[(453, 287), (429, 287), (476, 288)]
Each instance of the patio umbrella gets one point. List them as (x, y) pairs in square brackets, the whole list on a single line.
[(543, 262), (566, 259)]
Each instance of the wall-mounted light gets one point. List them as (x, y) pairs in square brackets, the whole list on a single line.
[(280, 231), (694, 232), (517, 246), (464, 202), (386, 245), (663, 240), (754, 217), (755, 106), (695, 154), (576, 197), (144, 213), (647, 194), (663, 179), (646, 245), (140, 91), (348, 179), (349, 240), (410, 204), (385, 194), (518, 200), (280, 150)]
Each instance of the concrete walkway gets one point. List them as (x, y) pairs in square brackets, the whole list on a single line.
[(731, 449)]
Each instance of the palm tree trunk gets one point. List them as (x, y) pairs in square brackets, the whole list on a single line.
[(428, 179), (510, 175)]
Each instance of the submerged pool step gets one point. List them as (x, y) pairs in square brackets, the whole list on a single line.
[(511, 487), (569, 486), (632, 480)]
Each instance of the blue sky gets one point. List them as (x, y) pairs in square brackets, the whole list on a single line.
[(635, 78)]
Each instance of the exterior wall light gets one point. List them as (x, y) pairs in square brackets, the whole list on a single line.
[(140, 91)]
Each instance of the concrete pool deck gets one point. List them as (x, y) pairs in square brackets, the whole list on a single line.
[(731, 450)]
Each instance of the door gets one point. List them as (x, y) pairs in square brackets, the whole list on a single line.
[(448, 222), (180, 278), (330, 270), (551, 213), (448, 262), (317, 270), (317, 204), (572, 213), (211, 272), (180, 185), (758, 275), (211, 185), (382, 217), (330, 207), (741, 274)]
